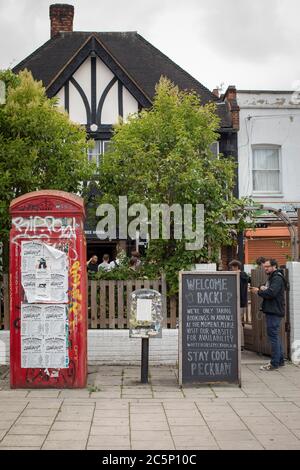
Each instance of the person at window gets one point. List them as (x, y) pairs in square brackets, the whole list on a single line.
[(236, 265), (92, 264), (133, 263), (220, 266), (136, 254), (260, 261), (121, 255), (105, 265), (273, 306)]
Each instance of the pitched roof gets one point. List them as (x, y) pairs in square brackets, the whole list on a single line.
[(143, 63)]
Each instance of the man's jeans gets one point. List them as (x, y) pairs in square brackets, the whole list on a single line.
[(273, 332)]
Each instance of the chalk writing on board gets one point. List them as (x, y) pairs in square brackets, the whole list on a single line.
[(209, 327)]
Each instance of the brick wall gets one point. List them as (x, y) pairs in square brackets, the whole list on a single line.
[(61, 18), (230, 97), (115, 347)]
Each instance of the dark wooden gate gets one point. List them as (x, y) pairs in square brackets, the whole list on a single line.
[(255, 330)]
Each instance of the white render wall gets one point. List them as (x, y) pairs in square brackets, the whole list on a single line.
[(4, 347), (270, 118), (294, 298), (115, 347)]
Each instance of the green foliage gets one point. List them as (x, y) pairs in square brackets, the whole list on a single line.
[(40, 148), (147, 270), (163, 155)]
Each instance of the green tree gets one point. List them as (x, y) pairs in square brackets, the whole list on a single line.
[(163, 155), (40, 148)]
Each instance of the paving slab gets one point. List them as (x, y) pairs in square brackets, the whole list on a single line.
[(43, 394), (33, 429), (272, 442), (153, 445), (40, 412), (108, 441), (109, 430), (244, 445), (68, 435), (111, 447), (189, 430), (47, 403), (194, 441), (64, 445), (116, 411), (22, 441), (234, 436), (19, 448), (5, 425), (71, 426), (151, 426)]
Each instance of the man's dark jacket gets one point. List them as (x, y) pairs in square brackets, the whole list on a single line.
[(244, 280), (273, 296)]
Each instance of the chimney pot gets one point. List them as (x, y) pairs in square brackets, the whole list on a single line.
[(61, 18)]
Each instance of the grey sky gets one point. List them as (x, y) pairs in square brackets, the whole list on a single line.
[(252, 44)]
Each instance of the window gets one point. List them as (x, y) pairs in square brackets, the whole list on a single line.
[(94, 153), (106, 144), (100, 148), (214, 147), (266, 169)]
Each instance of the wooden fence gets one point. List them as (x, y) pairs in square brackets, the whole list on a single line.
[(109, 302), (255, 323), (4, 303)]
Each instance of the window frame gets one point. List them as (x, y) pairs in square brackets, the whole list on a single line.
[(260, 192), (101, 153), (97, 155), (217, 143)]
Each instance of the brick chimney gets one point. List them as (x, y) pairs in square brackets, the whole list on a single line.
[(61, 18), (230, 97)]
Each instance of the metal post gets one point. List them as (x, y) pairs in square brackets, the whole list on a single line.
[(145, 360)]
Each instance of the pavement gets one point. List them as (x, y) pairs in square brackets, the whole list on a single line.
[(116, 411)]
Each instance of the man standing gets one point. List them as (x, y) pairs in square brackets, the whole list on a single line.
[(92, 264), (273, 307), (105, 264)]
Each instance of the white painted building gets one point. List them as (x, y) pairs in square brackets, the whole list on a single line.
[(269, 160), (269, 146)]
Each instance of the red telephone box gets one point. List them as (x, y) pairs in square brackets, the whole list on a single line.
[(48, 291)]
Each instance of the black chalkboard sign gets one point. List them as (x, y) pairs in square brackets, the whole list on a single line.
[(209, 323)]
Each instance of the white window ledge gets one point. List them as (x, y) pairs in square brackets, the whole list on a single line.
[(268, 195)]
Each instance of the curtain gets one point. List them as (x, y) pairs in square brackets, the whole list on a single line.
[(266, 170)]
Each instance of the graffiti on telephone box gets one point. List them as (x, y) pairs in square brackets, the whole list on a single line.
[(48, 289)]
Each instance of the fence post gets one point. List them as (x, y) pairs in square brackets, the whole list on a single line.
[(164, 300), (94, 304)]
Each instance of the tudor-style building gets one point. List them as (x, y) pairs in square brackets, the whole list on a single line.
[(99, 76)]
